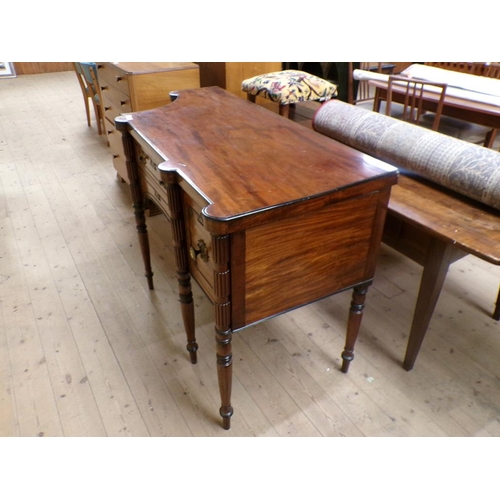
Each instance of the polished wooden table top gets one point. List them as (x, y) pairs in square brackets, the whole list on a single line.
[(244, 164)]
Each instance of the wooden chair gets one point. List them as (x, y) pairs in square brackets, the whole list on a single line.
[(85, 90), (86, 73), (478, 68), (493, 70), (410, 95), (360, 91), (473, 68)]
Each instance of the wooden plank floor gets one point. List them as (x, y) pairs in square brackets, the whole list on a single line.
[(87, 350)]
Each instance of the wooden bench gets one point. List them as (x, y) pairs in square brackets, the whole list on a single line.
[(431, 224), (435, 227)]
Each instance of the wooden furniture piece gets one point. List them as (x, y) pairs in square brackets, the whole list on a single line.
[(435, 227), (137, 86), (456, 107), (287, 88), (428, 222), (361, 91), (411, 96), (266, 215), (229, 75), (87, 78), (493, 70), (473, 68)]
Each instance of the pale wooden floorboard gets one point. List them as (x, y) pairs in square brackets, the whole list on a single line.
[(86, 349)]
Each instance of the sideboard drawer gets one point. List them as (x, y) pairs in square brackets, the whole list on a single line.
[(199, 242), (155, 190), (149, 164)]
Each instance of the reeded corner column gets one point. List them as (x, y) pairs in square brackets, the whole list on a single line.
[(138, 201), (174, 194), (223, 332)]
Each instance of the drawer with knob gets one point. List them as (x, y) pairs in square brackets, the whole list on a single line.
[(112, 77), (115, 144), (115, 103), (135, 86), (199, 242), (149, 162)]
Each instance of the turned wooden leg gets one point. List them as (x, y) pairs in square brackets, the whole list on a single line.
[(142, 232), (187, 310), (354, 322), (225, 375), (496, 313), (138, 201), (174, 194), (223, 334), (438, 260)]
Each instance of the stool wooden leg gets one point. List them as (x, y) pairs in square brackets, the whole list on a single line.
[(284, 110)]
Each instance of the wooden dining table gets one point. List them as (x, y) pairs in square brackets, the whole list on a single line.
[(469, 110)]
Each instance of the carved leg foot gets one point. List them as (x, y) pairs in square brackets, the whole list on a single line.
[(225, 375), (354, 322)]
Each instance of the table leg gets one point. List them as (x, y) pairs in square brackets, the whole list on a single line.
[(142, 232), (377, 101), (174, 194), (225, 375), (490, 138), (223, 333), (353, 324), (439, 257), (496, 313), (138, 201)]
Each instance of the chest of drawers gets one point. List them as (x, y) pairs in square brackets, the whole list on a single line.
[(138, 86), (266, 214)]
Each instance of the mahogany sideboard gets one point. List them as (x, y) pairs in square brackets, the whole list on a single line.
[(137, 86), (266, 215)]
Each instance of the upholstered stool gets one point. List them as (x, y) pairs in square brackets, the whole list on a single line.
[(288, 87)]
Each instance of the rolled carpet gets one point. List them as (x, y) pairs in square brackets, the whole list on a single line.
[(466, 168)]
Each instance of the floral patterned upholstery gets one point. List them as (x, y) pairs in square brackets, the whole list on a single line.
[(289, 87), (466, 168)]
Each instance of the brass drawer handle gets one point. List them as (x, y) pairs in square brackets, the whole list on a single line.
[(202, 251), (143, 159)]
